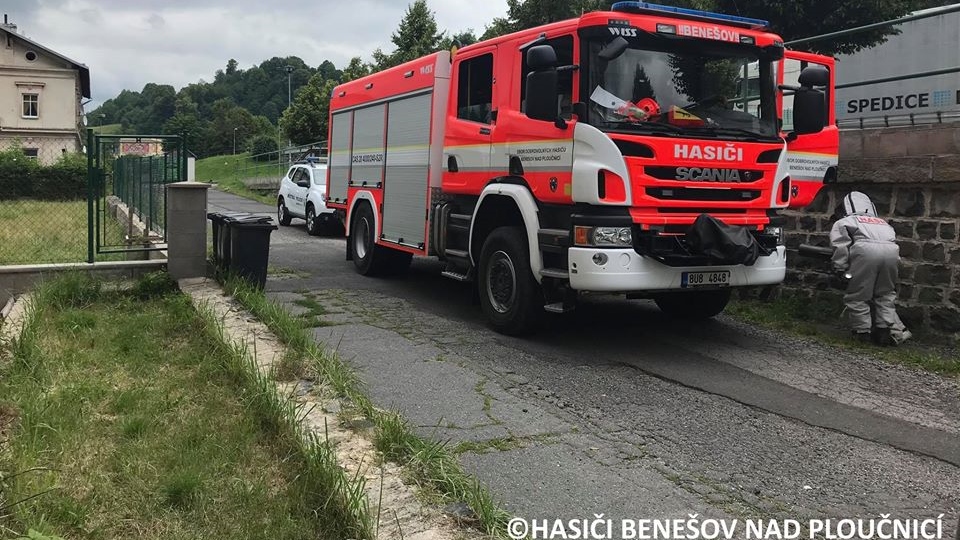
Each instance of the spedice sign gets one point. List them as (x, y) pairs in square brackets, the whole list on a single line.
[(889, 103)]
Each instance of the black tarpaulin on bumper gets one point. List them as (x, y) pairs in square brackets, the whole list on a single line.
[(724, 244)]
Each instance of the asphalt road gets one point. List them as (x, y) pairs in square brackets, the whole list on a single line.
[(615, 410)]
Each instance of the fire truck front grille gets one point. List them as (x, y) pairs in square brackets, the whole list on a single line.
[(705, 194), (701, 174), (698, 211)]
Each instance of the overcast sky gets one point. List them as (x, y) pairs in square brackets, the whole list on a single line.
[(128, 43)]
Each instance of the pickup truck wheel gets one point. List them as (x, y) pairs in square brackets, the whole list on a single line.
[(283, 215), (510, 297), (313, 227), (693, 305)]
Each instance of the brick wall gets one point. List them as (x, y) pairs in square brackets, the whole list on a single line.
[(913, 177)]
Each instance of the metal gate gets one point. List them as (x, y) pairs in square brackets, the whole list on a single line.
[(126, 192)]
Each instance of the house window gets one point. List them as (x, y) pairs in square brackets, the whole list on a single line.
[(31, 152), (31, 105)]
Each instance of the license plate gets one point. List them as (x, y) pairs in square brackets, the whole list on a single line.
[(705, 279)]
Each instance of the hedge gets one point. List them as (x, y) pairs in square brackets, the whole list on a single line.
[(24, 178)]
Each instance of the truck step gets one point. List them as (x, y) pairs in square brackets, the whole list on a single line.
[(461, 217), (554, 273), (457, 275), (458, 254), (559, 307)]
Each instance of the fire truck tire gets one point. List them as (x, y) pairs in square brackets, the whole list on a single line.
[(510, 297), (283, 215), (693, 305), (369, 258)]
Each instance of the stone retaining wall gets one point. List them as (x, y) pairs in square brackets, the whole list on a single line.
[(913, 177)]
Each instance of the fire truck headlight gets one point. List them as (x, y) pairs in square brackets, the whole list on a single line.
[(777, 232), (602, 236), (612, 236)]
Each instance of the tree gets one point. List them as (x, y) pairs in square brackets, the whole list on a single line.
[(306, 120), (804, 18), (355, 69), (523, 14), (264, 147), (416, 36), (462, 39), (641, 85), (186, 123)]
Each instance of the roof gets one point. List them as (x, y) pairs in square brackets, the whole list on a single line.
[(82, 68)]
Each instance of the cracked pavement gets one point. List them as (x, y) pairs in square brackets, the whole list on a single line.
[(617, 410)]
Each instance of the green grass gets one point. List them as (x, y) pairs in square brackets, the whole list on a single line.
[(108, 129), (34, 232), (124, 415), (819, 318), (430, 464), (225, 171)]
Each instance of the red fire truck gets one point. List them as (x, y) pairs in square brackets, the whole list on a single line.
[(639, 151)]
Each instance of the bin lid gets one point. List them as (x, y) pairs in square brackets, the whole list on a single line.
[(248, 219), (222, 216)]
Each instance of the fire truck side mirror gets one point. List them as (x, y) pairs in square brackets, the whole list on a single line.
[(541, 92), (541, 57), (814, 75), (809, 111)]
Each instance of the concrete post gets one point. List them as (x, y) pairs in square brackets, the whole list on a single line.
[(187, 229)]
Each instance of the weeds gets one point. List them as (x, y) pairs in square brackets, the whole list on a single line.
[(430, 464), (819, 318), (121, 420)]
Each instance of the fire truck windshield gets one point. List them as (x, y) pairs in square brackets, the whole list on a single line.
[(665, 87)]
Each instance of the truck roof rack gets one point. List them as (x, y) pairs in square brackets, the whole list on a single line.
[(695, 14)]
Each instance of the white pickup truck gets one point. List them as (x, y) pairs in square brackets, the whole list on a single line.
[(302, 195)]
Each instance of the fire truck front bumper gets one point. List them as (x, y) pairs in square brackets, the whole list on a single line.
[(624, 270)]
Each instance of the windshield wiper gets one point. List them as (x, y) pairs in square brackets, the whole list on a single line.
[(655, 126), (736, 131)]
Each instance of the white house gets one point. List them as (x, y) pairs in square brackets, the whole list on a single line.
[(41, 97)]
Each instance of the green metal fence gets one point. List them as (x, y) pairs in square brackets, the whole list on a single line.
[(127, 179)]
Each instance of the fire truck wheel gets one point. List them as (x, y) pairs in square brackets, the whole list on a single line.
[(693, 305), (283, 215), (369, 258), (509, 295)]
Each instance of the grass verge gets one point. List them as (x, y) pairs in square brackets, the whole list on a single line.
[(225, 172), (118, 419), (430, 464), (33, 231), (819, 318)]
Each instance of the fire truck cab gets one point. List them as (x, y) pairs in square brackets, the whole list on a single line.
[(639, 151)]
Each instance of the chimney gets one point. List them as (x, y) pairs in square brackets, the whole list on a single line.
[(7, 25)]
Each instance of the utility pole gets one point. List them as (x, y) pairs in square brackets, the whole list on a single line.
[(289, 70), (289, 94), (234, 141)]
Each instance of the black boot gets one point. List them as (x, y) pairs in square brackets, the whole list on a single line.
[(881, 336)]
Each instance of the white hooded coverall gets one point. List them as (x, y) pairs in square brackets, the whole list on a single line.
[(865, 247)]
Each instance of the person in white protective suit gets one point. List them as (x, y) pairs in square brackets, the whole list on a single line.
[(865, 249)]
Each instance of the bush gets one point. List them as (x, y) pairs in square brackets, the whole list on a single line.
[(22, 177), (264, 148), (64, 180), (17, 174)]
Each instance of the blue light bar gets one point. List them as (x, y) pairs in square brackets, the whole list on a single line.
[(647, 7)]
